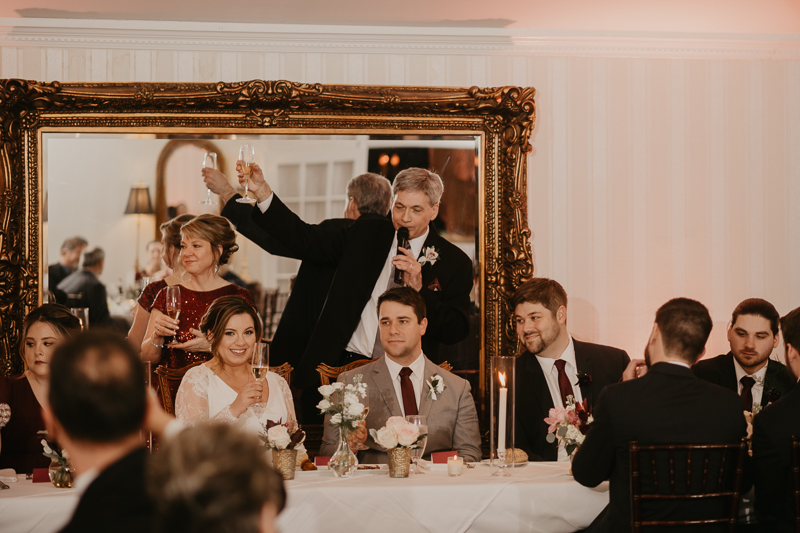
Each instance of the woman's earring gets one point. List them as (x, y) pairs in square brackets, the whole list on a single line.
[(216, 269)]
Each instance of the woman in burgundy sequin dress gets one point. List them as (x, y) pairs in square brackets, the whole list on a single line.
[(207, 242)]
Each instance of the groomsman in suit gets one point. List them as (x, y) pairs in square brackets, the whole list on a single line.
[(667, 404), (747, 369), (366, 257), (773, 429), (554, 366), (98, 407), (399, 384)]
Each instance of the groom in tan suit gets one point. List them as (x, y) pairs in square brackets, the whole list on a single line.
[(399, 384)]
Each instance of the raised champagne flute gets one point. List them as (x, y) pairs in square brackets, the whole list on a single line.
[(173, 306), (247, 156), (209, 161), (419, 451), (259, 365)]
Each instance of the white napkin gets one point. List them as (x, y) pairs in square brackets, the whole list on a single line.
[(8, 475)]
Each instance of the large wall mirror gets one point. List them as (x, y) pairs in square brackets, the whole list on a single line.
[(71, 153)]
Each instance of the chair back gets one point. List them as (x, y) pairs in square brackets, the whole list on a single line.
[(796, 482), (328, 373), (169, 381), (666, 475)]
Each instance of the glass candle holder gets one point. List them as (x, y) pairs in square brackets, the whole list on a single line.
[(503, 413)]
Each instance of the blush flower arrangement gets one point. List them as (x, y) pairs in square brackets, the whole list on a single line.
[(288, 436), (397, 433), (569, 424)]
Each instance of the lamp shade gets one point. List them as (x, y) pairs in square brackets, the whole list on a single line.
[(139, 201)]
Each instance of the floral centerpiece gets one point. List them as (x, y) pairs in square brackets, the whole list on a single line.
[(60, 470), (285, 441), (569, 424), (398, 437), (342, 403)]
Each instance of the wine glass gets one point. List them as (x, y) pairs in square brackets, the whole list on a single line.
[(173, 305), (416, 453), (247, 156), (357, 446), (260, 366), (209, 161)]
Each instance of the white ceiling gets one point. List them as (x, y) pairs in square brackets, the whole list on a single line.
[(765, 17)]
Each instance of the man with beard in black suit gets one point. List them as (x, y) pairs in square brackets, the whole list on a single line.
[(667, 404), (554, 366), (773, 429)]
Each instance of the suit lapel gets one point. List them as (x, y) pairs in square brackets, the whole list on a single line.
[(727, 374), (584, 364), (538, 384), (383, 381), (426, 403)]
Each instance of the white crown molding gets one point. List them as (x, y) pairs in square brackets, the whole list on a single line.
[(197, 36)]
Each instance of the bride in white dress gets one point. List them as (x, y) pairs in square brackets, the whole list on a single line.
[(224, 388)]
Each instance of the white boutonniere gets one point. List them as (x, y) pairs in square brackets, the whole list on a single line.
[(436, 385), (429, 255)]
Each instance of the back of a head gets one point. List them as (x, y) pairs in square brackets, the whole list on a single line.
[(97, 390), (757, 307), (371, 192), (171, 230), (547, 292), (93, 257), (790, 328), (417, 179), (213, 478), (685, 326)]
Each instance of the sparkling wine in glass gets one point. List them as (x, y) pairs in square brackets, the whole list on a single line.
[(209, 161), (419, 451), (259, 365), (247, 156), (173, 306)]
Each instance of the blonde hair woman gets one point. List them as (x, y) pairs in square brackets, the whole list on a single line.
[(207, 241)]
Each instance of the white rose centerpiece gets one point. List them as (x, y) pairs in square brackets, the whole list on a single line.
[(288, 436), (343, 403)]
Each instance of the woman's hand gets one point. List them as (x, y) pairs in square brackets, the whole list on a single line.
[(250, 394), (198, 344)]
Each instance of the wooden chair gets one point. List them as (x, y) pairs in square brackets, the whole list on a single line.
[(686, 473), (796, 480), (328, 373), (169, 380)]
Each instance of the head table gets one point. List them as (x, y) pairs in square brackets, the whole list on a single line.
[(538, 497)]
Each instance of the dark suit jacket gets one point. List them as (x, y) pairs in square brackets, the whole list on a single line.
[(358, 254), (116, 500), (669, 405), (773, 429), (720, 371), (310, 289), (93, 296), (533, 400)]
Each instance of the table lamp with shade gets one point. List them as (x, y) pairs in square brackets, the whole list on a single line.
[(139, 204)]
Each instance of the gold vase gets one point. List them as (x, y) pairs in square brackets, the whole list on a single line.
[(60, 474), (399, 461), (283, 461)]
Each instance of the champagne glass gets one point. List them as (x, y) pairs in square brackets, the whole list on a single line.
[(209, 161), (260, 366), (173, 306), (83, 315), (247, 156), (416, 453)]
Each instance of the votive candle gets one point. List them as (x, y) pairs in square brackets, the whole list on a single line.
[(455, 466)]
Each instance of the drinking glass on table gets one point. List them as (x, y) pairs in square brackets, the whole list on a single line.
[(209, 161), (173, 305), (417, 453), (259, 365), (247, 156)]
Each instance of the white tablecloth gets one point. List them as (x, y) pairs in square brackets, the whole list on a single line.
[(538, 497)]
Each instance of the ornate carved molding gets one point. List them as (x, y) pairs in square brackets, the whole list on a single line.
[(503, 116)]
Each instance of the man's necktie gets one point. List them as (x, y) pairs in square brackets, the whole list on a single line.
[(407, 390), (747, 392), (563, 381)]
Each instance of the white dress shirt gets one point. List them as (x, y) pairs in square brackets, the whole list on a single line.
[(759, 377), (551, 377), (417, 376)]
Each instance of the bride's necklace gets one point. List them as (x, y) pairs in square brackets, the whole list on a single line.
[(234, 386)]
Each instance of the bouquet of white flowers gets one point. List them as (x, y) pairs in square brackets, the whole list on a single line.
[(343, 403), (397, 433), (277, 436)]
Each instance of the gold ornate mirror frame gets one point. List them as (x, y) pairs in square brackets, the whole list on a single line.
[(502, 117)]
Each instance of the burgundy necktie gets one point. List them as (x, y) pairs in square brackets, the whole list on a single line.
[(747, 392), (407, 390), (563, 381)]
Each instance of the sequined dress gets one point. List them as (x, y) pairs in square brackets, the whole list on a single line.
[(148, 296), (193, 306)]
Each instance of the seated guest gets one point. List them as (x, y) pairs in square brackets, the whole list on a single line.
[(747, 369), (667, 404), (224, 388), (399, 385), (43, 330), (772, 430), (554, 366), (84, 288), (68, 261), (207, 241), (170, 248), (214, 479), (153, 267), (99, 405)]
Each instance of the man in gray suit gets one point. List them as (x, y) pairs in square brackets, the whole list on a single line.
[(399, 384)]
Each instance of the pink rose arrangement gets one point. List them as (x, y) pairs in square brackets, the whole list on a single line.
[(277, 436), (398, 433), (569, 424)]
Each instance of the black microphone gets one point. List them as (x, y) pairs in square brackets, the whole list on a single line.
[(402, 242)]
